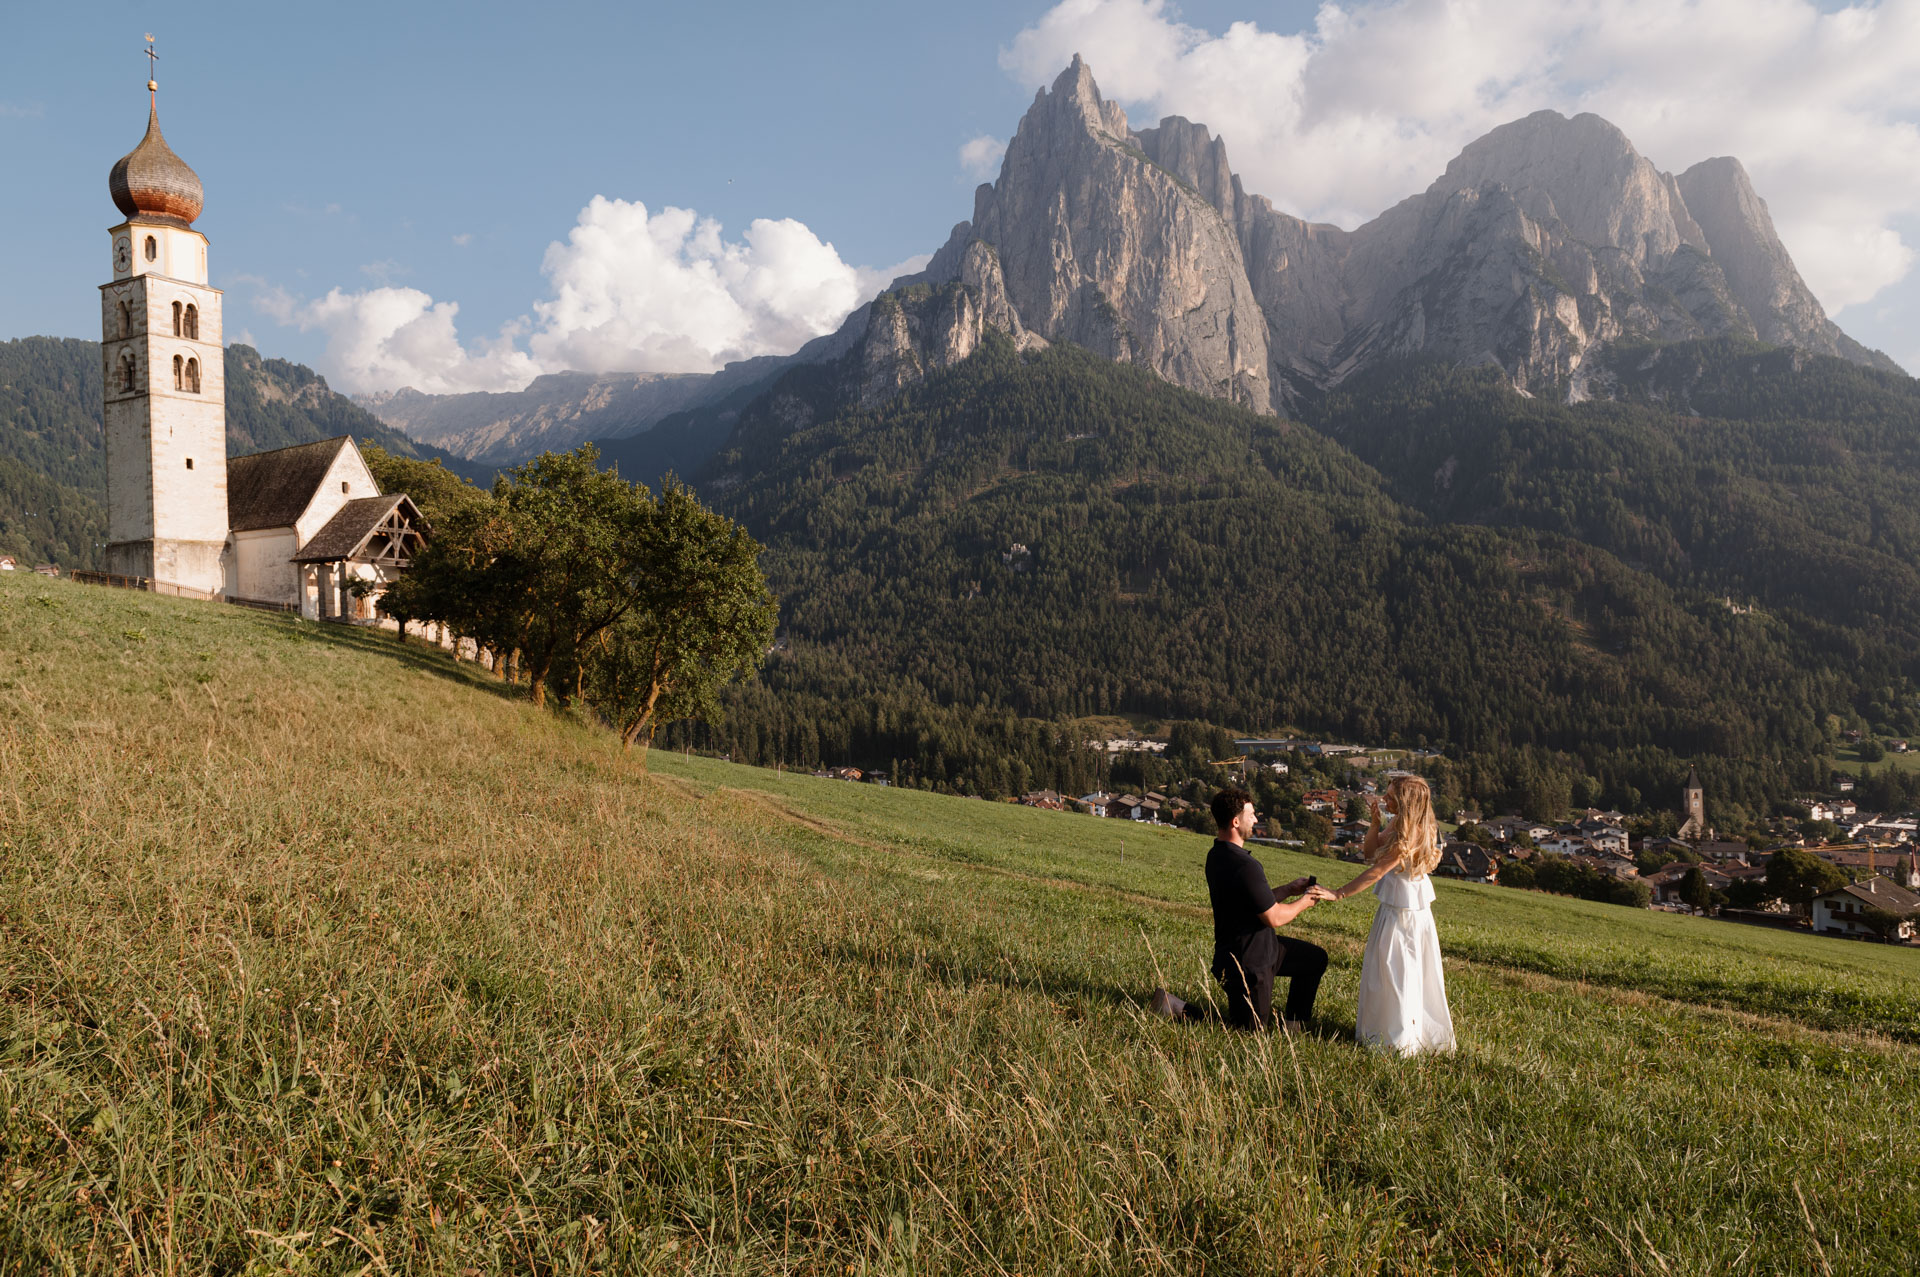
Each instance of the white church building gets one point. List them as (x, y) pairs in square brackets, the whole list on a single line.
[(295, 527)]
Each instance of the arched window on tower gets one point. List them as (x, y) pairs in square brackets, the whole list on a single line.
[(153, 249), (192, 323), (179, 373), (193, 376), (126, 372), (176, 319), (126, 319)]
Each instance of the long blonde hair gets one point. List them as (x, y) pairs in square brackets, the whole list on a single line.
[(1415, 838)]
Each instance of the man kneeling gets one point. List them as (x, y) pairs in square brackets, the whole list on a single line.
[(1247, 955)]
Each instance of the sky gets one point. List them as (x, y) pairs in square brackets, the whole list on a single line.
[(461, 197)]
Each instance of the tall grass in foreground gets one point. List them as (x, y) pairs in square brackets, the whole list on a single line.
[(320, 957)]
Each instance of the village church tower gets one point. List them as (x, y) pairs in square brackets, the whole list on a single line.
[(1695, 824), (165, 392)]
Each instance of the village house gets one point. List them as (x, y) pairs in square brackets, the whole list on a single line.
[(1666, 882), (1843, 784), (1843, 912), (1837, 810), (1860, 858), (1507, 828), (6, 563), (1564, 844), (1604, 836), (1885, 829), (1045, 799), (1721, 849), (1321, 800), (1094, 804), (1126, 807), (1466, 861)]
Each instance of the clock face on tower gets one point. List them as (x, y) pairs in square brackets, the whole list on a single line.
[(122, 252)]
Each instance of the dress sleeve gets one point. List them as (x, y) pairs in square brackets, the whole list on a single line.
[(1254, 880)]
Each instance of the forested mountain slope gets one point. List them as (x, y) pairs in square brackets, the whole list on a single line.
[(52, 463), (1785, 481), (1054, 535)]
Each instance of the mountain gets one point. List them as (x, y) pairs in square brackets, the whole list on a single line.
[(1542, 243), (1591, 590), (52, 468)]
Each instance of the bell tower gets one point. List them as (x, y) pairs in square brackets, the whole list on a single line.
[(1695, 823), (164, 386)]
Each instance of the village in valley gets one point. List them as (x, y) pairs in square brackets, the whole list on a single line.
[(1830, 868)]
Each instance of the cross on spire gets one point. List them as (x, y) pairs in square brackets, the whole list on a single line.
[(153, 85)]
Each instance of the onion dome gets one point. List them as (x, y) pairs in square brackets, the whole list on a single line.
[(151, 182)]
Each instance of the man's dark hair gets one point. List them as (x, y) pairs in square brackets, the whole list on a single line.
[(1227, 806)]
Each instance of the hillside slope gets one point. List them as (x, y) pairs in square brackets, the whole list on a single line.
[(491, 998), (1057, 536)]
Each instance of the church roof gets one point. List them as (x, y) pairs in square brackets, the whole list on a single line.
[(151, 182), (346, 534), (273, 489)]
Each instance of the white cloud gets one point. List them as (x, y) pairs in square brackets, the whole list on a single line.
[(463, 239), (1340, 121), (386, 338), (631, 291), (980, 158)]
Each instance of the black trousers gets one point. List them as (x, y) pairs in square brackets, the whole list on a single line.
[(1250, 993)]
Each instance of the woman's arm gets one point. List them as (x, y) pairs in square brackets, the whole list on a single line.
[(1372, 874)]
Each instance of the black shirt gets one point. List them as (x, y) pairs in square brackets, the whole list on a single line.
[(1238, 888)]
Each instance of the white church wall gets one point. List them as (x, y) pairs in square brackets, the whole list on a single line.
[(348, 479), (264, 567)]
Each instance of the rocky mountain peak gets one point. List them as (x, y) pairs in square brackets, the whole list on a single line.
[(1542, 242), (1583, 173)]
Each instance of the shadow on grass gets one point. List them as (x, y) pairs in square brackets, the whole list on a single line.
[(960, 973), (415, 653)]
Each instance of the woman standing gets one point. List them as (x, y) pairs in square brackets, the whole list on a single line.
[(1403, 992)]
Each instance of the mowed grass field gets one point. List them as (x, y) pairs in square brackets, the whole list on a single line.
[(320, 955)]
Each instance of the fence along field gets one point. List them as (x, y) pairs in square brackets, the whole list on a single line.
[(324, 955)]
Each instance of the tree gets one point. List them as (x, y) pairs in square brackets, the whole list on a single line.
[(1695, 891), (702, 614), (436, 490), (1797, 876), (1884, 923), (1744, 893), (1871, 750)]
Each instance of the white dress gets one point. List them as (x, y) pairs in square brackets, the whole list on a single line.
[(1403, 992)]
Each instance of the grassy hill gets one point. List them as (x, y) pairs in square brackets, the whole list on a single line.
[(325, 955)]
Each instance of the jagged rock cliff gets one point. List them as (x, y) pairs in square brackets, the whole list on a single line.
[(1544, 241)]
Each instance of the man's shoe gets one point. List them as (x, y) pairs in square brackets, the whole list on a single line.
[(1166, 1006), (1294, 1026)]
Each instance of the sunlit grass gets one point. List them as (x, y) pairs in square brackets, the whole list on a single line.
[(321, 956)]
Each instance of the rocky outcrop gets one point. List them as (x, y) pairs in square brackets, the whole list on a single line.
[(1542, 242), (1099, 245)]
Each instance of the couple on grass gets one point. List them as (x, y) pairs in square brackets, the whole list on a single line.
[(1403, 995)]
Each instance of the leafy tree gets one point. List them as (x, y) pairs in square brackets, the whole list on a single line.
[(1797, 876), (1695, 891), (702, 615), (1743, 893), (438, 491), (1884, 923), (1871, 750)]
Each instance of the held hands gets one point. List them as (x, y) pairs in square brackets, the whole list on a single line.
[(1317, 892)]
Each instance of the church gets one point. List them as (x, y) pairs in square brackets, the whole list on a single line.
[(302, 529)]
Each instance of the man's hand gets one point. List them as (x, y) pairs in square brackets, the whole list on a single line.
[(1299, 886)]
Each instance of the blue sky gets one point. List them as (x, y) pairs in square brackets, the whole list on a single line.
[(384, 180)]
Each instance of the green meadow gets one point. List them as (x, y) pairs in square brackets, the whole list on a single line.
[(319, 954)]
